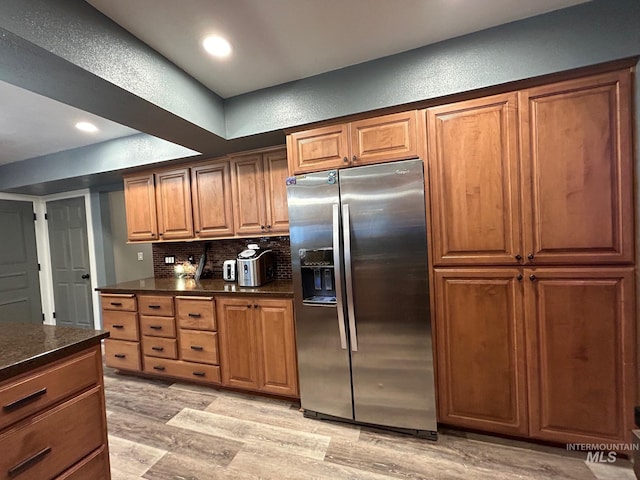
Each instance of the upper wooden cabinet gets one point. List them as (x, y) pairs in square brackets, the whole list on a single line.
[(473, 151), (577, 170), (173, 203), (259, 193), (211, 196), (140, 207), (373, 140), (564, 197)]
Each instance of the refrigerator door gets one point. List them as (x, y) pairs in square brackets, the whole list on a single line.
[(388, 299), (323, 355)]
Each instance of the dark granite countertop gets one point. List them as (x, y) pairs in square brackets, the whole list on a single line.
[(189, 286), (25, 346)]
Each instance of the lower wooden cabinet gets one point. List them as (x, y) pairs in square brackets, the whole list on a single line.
[(258, 344), (547, 353)]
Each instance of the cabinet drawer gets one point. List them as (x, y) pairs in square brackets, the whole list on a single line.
[(113, 301), (94, 467), (156, 305), (196, 313), (121, 325), (121, 354), (158, 326), (199, 346), (22, 397), (160, 347), (186, 370), (52, 442)]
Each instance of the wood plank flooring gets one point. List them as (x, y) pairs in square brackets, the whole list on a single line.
[(172, 431)]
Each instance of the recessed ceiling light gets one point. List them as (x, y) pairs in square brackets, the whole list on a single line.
[(217, 46), (86, 127)]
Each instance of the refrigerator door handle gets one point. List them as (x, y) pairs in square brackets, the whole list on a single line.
[(338, 275), (346, 237)]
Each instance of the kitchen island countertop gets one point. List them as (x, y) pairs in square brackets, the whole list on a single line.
[(26, 346), (189, 286)]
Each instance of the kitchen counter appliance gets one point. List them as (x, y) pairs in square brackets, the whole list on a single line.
[(229, 271), (255, 266), (361, 296)]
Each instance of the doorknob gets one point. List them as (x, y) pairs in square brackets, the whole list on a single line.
[(86, 276)]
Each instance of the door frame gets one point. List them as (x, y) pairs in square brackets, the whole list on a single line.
[(44, 252)]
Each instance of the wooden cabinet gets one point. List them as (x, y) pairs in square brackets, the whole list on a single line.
[(173, 203), (140, 207), (212, 203), (372, 140), (573, 380), (566, 198), (40, 432), (259, 193), (473, 160), (258, 344), (120, 318), (577, 171)]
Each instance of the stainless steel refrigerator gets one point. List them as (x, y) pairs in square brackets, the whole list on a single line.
[(363, 329)]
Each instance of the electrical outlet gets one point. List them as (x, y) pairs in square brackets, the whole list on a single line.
[(140, 256), (169, 260)]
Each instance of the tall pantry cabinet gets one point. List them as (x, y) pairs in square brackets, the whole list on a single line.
[(533, 252)]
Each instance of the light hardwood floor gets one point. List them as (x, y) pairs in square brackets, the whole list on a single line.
[(162, 431)]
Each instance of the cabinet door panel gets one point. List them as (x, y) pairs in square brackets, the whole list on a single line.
[(474, 181), (173, 196), (581, 353), (384, 139), (248, 194), (237, 337), (577, 161), (140, 208), (212, 204), (275, 177), (480, 349), (276, 347), (318, 149)]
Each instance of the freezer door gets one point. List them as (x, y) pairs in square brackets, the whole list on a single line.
[(385, 256), (323, 355)]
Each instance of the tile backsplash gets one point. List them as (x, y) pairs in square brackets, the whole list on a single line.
[(218, 252)]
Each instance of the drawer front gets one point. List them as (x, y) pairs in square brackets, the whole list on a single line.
[(160, 347), (160, 305), (158, 326), (52, 442), (27, 395), (94, 467), (179, 369), (121, 354), (112, 301), (199, 346), (196, 313), (121, 325)]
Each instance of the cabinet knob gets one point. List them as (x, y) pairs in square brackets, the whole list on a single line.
[(255, 306), (197, 232), (159, 234), (530, 256), (262, 227), (345, 160), (532, 277), (248, 306), (519, 277), (269, 226), (354, 158), (518, 257)]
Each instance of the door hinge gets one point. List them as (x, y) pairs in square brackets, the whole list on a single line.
[(54, 314), (35, 217), (42, 317), (39, 269), (46, 216)]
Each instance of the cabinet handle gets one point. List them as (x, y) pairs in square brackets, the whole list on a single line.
[(354, 158), (197, 231), (117, 326), (29, 398), (197, 348), (269, 226), (116, 304), (158, 367), (518, 257), (157, 349), (255, 306), (248, 306), (195, 315), (532, 277), (29, 462), (120, 355), (261, 227), (530, 256), (345, 160), (155, 327), (160, 234), (155, 307), (199, 374), (519, 277)]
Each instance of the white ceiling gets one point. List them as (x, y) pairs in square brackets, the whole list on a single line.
[(274, 41)]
